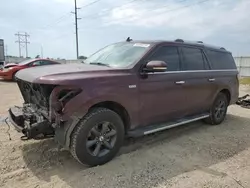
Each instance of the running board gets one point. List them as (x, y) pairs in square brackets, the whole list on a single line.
[(164, 126)]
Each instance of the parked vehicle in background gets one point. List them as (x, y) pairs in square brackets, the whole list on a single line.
[(7, 65), (2, 63), (131, 88), (9, 71), (2, 57)]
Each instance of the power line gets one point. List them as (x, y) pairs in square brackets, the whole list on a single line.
[(22, 40), (76, 20), (57, 20), (89, 4), (62, 18), (158, 8), (154, 9), (93, 16), (170, 10)]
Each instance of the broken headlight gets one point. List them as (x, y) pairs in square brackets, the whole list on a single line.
[(64, 96)]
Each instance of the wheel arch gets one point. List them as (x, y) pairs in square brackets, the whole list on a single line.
[(63, 133), (227, 93), (117, 108)]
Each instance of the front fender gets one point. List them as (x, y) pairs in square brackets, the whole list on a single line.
[(75, 111), (79, 108)]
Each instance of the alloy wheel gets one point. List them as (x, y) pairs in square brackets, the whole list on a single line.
[(220, 109), (101, 139)]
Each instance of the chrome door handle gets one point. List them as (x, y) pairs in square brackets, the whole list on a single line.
[(180, 82), (211, 79)]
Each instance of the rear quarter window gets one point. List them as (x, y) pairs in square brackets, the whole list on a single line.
[(220, 60)]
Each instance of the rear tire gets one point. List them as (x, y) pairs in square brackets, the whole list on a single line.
[(218, 110), (98, 137)]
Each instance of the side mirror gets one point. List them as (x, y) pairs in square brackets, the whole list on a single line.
[(155, 66)]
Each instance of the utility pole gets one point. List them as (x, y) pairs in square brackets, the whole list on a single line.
[(22, 40), (41, 51), (6, 50), (76, 28), (19, 43), (26, 42), (6, 53)]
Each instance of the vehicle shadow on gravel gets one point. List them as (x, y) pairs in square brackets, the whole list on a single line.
[(166, 154)]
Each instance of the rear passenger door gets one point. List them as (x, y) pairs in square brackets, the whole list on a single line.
[(196, 71)]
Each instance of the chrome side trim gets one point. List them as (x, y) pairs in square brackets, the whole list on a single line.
[(180, 82), (175, 125), (194, 71)]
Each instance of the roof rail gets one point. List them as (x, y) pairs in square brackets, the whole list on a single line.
[(179, 40), (199, 41)]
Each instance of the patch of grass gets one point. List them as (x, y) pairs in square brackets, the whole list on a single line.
[(245, 81)]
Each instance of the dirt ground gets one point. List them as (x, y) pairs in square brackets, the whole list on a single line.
[(194, 155)]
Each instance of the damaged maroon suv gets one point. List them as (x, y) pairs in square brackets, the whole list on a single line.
[(130, 88)]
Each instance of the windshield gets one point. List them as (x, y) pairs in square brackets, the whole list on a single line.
[(118, 54), (25, 62)]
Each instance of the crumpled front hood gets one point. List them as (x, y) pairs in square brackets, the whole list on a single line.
[(57, 73)]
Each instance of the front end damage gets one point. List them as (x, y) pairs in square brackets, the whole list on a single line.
[(43, 109)]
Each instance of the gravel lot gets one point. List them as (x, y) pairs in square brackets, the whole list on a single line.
[(195, 155)]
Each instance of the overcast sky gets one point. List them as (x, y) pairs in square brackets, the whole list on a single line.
[(51, 25)]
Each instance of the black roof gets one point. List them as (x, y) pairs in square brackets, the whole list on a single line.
[(181, 41)]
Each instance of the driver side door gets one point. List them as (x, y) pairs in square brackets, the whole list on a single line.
[(162, 96)]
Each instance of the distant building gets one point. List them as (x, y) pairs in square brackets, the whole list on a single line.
[(2, 57)]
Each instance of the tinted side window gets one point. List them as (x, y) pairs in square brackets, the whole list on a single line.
[(221, 60), (47, 63), (35, 63), (193, 59), (170, 55)]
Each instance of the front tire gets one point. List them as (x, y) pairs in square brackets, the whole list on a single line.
[(98, 137), (218, 110)]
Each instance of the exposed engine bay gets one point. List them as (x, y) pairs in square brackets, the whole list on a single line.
[(30, 121), (36, 93), (42, 108)]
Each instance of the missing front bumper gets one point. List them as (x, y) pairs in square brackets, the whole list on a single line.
[(29, 124), (16, 118)]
